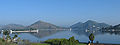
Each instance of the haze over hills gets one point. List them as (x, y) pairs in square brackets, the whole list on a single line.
[(89, 25)]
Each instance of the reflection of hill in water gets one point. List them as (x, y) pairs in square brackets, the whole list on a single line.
[(83, 32), (43, 33), (112, 32)]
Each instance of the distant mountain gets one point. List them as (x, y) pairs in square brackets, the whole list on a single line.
[(43, 25), (1, 26), (13, 26), (116, 27), (77, 25), (89, 25), (36, 25)]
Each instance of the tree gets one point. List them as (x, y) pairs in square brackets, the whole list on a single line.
[(5, 33), (72, 38), (15, 36), (64, 42), (72, 41), (8, 38), (91, 37)]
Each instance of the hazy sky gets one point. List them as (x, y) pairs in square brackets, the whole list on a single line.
[(59, 12)]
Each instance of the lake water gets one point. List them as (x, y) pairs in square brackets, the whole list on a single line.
[(82, 36)]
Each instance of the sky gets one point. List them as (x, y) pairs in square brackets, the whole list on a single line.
[(59, 12)]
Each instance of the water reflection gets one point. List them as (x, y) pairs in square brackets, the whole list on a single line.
[(81, 35), (44, 33), (102, 37)]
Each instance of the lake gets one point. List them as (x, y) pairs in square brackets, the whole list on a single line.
[(82, 36)]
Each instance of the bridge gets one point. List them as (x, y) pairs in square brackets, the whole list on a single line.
[(25, 31), (32, 31), (22, 31)]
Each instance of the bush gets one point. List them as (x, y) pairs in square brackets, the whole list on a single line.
[(38, 44), (70, 41)]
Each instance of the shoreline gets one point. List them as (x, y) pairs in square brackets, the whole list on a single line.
[(100, 43)]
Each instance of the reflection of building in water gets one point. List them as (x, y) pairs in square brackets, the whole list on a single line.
[(22, 31), (25, 31)]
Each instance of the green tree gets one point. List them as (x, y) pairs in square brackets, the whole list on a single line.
[(5, 33), (70, 41), (91, 37), (64, 42), (15, 36)]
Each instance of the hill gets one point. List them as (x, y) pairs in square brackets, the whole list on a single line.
[(116, 27), (12, 26), (43, 25), (89, 25)]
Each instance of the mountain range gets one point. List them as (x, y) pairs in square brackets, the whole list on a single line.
[(116, 27), (36, 25), (12, 26), (91, 25)]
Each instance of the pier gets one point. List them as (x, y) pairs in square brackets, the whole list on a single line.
[(25, 31)]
